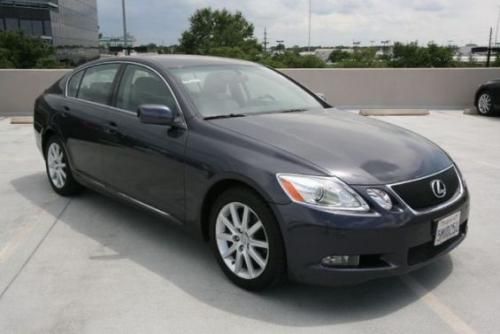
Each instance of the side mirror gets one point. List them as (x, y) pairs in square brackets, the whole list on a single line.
[(321, 96), (156, 114)]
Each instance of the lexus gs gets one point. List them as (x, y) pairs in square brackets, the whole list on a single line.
[(279, 183)]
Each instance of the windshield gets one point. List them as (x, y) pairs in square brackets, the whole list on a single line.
[(242, 90)]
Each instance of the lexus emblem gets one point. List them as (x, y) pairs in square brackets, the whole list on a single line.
[(438, 188)]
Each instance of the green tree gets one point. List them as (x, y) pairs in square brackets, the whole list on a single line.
[(18, 50), (362, 58), (440, 56), (294, 60), (218, 31), (413, 55), (338, 56)]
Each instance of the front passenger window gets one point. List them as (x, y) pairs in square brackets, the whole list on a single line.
[(141, 86), (97, 83)]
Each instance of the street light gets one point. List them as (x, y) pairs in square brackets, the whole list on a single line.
[(124, 27), (310, 17)]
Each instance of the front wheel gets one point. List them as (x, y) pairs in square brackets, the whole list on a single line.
[(485, 104), (246, 240), (58, 171)]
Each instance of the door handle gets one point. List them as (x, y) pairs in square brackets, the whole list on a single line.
[(65, 111), (112, 128)]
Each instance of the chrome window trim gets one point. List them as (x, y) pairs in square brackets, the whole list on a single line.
[(458, 195), (124, 62)]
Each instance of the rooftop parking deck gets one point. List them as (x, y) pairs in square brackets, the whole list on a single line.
[(90, 264)]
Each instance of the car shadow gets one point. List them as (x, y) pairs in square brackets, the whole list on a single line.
[(166, 250)]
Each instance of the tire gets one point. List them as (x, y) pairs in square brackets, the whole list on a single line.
[(247, 245), (485, 104), (58, 170)]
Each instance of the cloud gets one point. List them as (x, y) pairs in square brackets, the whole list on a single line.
[(333, 22), (429, 5)]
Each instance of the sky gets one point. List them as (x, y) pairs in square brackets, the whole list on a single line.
[(334, 22)]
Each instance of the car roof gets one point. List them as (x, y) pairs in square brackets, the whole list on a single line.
[(179, 61)]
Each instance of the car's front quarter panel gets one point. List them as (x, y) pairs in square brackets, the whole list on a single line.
[(216, 155)]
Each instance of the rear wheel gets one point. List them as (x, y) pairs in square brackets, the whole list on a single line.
[(246, 240), (58, 171), (485, 104)]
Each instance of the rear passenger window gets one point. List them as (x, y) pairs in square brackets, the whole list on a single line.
[(74, 83), (97, 83), (141, 86)]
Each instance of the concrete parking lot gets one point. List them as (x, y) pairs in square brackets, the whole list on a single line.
[(94, 265)]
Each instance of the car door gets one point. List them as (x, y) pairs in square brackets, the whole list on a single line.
[(84, 122), (146, 161)]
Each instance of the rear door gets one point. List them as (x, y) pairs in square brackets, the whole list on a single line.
[(84, 121), (146, 161)]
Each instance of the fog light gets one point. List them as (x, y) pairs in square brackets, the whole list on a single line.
[(341, 261), (381, 197)]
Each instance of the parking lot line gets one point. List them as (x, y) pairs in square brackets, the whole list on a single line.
[(442, 311)]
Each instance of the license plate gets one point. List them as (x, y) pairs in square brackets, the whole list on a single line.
[(447, 228)]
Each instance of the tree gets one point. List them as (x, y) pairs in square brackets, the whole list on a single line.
[(18, 50), (338, 56), (440, 56), (215, 30), (294, 60), (413, 55), (362, 58)]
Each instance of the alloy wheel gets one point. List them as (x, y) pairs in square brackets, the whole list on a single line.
[(484, 103), (242, 240), (56, 165)]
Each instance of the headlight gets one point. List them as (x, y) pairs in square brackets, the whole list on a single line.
[(323, 192), (381, 197)]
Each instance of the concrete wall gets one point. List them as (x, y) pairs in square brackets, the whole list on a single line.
[(347, 88), (20, 88), (396, 88)]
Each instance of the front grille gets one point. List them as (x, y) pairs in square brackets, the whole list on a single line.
[(419, 195)]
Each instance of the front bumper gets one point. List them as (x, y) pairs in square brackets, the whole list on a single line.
[(390, 243)]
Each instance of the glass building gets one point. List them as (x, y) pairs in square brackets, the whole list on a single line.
[(70, 25)]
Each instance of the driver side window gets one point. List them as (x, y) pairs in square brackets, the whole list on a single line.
[(141, 86)]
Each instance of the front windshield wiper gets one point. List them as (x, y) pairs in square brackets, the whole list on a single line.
[(225, 116), (293, 110)]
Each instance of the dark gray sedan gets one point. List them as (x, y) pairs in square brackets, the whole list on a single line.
[(279, 182)]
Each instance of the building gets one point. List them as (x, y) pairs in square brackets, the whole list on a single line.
[(107, 42), (70, 25)]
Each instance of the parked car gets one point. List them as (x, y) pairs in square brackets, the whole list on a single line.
[(276, 180), (487, 100)]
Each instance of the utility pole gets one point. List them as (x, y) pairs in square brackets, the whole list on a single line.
[(488, 59), (125, 43), (310, 17), (265, 40)]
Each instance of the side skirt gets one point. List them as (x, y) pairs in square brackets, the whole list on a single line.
[(105, 190)]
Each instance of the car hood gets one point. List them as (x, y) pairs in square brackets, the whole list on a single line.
[(359, 150)]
